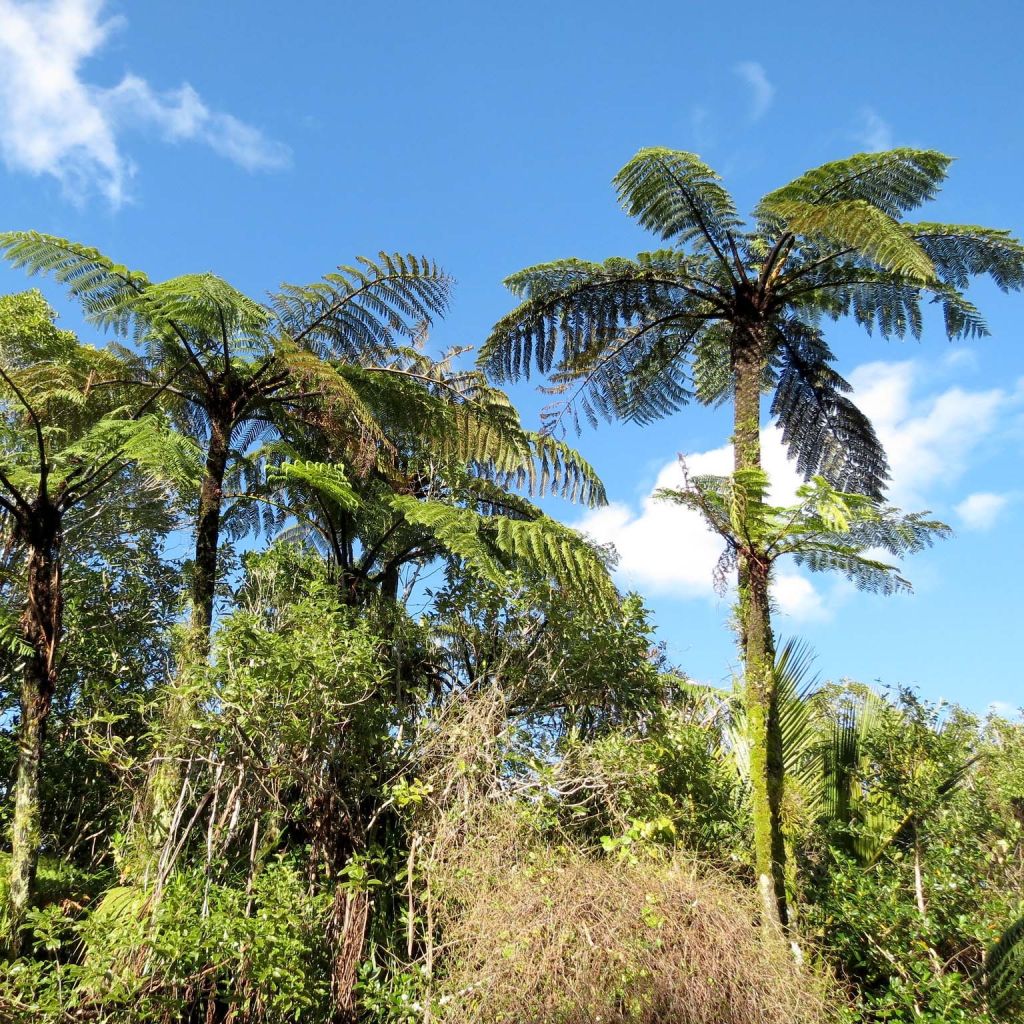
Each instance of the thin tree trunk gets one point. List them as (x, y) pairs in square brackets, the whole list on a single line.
[(922, 907), (757, 644), (204, 575), (41, 624), (165, 779)]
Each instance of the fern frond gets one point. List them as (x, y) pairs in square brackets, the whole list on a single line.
[(105, 289), (327, 480), (494, 545), (1004, 971), (858, 225), (591, 306), (676, 195), (894, 181), (822, 429), (962, 251), (358, 312)]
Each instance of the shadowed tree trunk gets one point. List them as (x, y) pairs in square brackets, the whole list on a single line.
[(166, 777), (204, 574)]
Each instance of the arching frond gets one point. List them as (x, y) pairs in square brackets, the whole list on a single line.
[(591, 306), (358, 312), (962, 251), (327, 480), (105, 289), (148, 442), (893, 181), (205, 304), (676, 195), (494, 545), (857, 225), (822, 429)]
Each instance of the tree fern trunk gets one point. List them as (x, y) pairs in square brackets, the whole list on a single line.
[(204, 575), (41, 623), (165, 778), (758, 649)]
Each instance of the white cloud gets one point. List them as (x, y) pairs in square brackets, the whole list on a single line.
[(762, 92), (54, 122), (665, 549), (797, 597), (873, 132), (928, 440), (981, 510)]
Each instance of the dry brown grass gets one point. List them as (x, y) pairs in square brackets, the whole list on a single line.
[(562, 937), (530, 931)]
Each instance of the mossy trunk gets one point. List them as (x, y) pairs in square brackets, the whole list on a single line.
[(767, 773), (40, 629)]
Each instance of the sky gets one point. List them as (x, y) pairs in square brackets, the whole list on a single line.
[(269, 143)]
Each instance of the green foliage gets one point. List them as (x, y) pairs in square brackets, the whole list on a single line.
[(635, 339), (827, 530), (542, 546)]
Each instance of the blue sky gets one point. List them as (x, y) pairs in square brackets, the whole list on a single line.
[(270, 142)]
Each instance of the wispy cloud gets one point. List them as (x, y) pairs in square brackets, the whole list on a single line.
[(981, 511), (54, 122), (873, 132), (762, 92)]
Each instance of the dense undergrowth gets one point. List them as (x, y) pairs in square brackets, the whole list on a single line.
[(366, 830)]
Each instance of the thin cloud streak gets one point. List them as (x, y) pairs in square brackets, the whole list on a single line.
[(762, 92)]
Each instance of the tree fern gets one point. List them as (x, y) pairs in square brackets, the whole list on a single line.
[(1004, 972)]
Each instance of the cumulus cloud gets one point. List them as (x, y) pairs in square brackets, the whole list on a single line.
[(667, 550), (54, 122), (928, 439), (980, 511), (762, 92), (873, 132)]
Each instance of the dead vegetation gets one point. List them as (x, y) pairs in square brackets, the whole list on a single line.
[(525, 928)]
